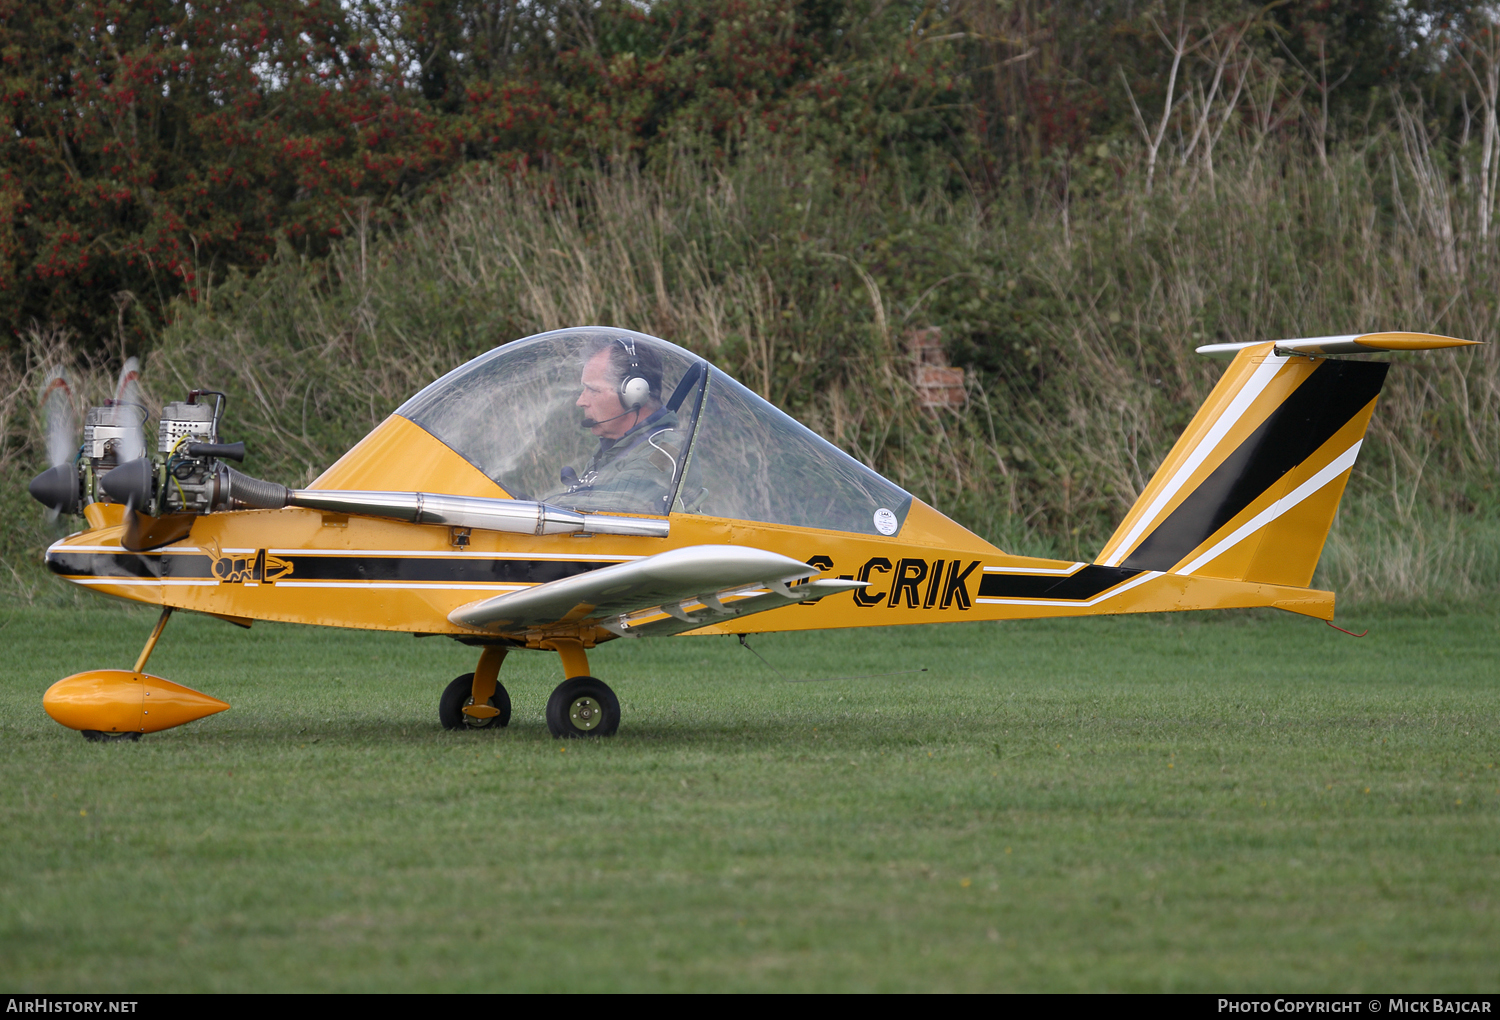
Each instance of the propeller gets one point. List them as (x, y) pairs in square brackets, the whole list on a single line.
[(128, 393), (57, 487)]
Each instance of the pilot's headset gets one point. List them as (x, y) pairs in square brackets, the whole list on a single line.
[(635, 390)]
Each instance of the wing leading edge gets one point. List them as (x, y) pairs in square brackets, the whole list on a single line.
[(669, 593)]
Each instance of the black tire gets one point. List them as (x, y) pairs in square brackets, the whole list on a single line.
[(461, 693), (100, 737), (583, 707)]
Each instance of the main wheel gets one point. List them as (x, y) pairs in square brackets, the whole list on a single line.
[(460, 693), (583, 707)]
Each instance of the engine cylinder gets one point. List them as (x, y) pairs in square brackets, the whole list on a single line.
[(180, 419), (110, 431)]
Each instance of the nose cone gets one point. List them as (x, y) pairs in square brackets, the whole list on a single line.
[(130, 483), (56, 488), (119, 701)]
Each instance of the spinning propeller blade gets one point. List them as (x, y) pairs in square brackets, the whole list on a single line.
[(61, 423), (56, 401), (128, 392)]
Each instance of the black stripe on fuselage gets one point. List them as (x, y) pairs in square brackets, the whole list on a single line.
[(1327, 400), (422, 568), (307, 567), (127, 564), (1085, 584)]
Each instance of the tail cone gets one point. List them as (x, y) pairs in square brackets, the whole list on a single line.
[(119, 701)]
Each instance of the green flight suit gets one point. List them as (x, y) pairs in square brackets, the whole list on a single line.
[(634, 473)]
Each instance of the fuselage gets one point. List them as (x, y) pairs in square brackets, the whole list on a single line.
[(302, 566)]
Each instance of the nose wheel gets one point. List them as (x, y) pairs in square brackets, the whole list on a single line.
[(101, 737), (583, 706)]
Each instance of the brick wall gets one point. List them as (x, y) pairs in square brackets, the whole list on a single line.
[(938, 384)]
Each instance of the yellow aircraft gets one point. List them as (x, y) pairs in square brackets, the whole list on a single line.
[(590, 484)]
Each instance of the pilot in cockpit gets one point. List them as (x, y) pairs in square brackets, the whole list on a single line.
[(640, 446)]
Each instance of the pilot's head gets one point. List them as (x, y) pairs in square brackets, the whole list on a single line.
[(612, 404)]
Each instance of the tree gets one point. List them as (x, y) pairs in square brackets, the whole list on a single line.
[(153, 143)]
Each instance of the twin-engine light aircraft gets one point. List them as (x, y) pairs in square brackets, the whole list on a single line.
[(590, 484)]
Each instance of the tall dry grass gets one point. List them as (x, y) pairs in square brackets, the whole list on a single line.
[(1077, 319)]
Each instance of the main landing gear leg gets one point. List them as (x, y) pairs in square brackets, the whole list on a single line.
[(582, 706), (477, 701)]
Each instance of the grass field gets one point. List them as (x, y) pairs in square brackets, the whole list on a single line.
[(1196, 803)]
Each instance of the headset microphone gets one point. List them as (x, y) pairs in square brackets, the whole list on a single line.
[(589, 423)]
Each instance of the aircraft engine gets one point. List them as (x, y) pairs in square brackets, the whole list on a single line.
[(184, 475)]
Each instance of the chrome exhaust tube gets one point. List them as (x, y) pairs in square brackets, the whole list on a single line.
[(514, 516)]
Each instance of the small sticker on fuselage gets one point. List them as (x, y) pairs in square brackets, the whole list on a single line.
[(885, 521)]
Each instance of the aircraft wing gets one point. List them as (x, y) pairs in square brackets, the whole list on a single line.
[(671, 592)]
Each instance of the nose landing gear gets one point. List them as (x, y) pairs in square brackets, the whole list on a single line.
[(110, 705)]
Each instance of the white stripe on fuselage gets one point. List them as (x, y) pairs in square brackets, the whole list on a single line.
[(400, 585), (405, 553)]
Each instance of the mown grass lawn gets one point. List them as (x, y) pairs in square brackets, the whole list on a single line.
[(1195, 803)]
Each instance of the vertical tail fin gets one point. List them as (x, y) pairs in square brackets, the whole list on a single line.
[(1250, 489)]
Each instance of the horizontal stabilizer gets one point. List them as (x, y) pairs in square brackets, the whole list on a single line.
[(1353, 343), (655, 585)]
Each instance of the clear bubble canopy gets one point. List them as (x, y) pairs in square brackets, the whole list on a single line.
[(601, 419)]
